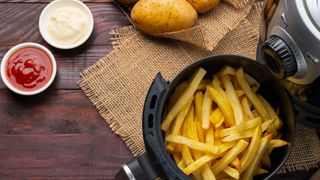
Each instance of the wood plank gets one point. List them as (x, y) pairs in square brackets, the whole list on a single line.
[(70, 63), (19, 22), (70, 156), (56, 135), (51, 112)]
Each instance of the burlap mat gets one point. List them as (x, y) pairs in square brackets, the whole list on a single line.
[(117, 84)]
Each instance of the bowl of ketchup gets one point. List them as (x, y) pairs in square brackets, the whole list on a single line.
[(28, 69)]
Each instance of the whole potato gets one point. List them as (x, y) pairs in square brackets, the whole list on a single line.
[(161, 16), (203, 6), (126, 2)]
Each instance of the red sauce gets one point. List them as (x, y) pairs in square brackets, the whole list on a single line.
[(29, 69)]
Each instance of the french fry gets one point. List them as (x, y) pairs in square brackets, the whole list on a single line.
[(227, 70), (192, 131), (265, 125), (203, 84), (193, 144), (183, 99), (226, 146), (253, 83), (248, 174), (233, 99), (251, 95), (243, 134), (235, 83), (253, 148), (200, 131), (223, 104), (216, 116), (278, 122), (271, 12), (207, 173), (177, 157), (168, 132), (178, 123), (217, 85), (260, 171), (220, 122), (210, 136), (268, 6), (232, 172), (272, 130), (187, 157), (181, 164), (185, 149), (198, 105), (236, 129), (217, 142), (246, 108), (198, 163), (229, 157), (177, 93), (177, 148), (275, 143), (255, 113), (265, 160), (190, 124), (206, 110), (236, 163), (239, 93), (186, 154), (222, 175)]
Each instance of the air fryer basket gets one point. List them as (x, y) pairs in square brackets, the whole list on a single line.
[(161, 90)]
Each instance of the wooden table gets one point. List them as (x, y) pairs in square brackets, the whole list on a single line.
[(59, 134)]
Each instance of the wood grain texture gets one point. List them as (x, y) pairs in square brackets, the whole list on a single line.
[(56, 135), (52, 112), (68, 156)]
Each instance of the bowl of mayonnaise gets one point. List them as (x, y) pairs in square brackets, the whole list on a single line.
[(66, 24)]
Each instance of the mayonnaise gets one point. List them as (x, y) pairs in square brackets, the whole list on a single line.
[(67, 25)]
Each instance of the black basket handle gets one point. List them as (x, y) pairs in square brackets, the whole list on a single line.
[(140, 168), (144, 167)]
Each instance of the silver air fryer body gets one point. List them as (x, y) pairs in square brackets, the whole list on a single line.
[(292, 46)]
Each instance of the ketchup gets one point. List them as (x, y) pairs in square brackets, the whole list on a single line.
[(29, 69)]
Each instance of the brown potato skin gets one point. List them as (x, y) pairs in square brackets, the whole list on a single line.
[(203, 6), (126, 2), (162, 16)]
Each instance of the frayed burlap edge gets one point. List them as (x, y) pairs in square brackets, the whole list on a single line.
[(105, 113), (120, 33)]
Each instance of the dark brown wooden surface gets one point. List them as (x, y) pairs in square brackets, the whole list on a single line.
[(59, 134)]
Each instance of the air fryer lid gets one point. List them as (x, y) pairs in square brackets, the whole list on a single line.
[(160, 92)]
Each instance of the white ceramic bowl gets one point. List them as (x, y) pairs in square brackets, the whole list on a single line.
[(44, 17), (14, 49)]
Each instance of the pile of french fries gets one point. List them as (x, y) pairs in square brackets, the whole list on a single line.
[(221, 128)]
